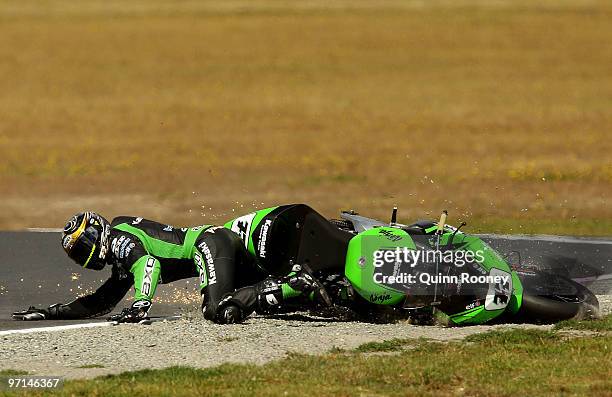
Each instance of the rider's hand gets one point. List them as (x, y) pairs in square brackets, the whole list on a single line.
[(138, 312), (33, 313)]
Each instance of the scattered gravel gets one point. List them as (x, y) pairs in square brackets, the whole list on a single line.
[(198, 343)]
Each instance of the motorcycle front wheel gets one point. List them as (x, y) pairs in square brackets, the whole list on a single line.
[(548, 298)]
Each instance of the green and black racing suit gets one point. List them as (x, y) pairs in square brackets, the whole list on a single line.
[(145, 253)]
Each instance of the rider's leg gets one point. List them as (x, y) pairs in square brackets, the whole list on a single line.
[(223, 265), (270, 295), (230, 281)]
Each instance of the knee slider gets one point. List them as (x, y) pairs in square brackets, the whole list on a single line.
[(229, 311), (209, 311)]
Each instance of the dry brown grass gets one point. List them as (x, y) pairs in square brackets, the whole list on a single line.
[(183, 111)]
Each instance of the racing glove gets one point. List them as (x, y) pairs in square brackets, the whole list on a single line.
[(139, 311), (34, 314)]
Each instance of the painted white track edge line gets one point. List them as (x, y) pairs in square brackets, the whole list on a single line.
[(55, 328)]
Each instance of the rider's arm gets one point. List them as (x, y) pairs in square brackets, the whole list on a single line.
[(146, 272), (99, 303), (130, 270), (133, 258)]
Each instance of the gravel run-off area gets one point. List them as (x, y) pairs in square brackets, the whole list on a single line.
[(198, 343)]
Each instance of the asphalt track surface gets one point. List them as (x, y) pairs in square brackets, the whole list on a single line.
[(34, 271)]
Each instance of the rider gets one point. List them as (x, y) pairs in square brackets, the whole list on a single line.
[(143, 253)]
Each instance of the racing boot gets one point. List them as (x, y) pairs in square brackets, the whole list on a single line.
[(303, 282), (269, 294)]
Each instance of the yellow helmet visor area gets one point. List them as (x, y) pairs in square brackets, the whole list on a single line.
[(70, 240), (81, 244)]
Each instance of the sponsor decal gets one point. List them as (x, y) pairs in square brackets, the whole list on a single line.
[(213, 229), (122, 249), (200, 265), (136, 221), (129, 249), (67, 241), (147, 280), (104, 241), (242, 227), (115, 246), (268, 286), (390, 236), (473, 305), (142, 305), (263, 236), (210, 264), (362, 262), (374, 298), (168, 228)]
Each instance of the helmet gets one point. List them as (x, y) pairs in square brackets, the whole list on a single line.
[(85, 239)]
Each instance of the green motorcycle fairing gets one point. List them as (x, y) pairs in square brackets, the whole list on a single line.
[(360, 270), (499, 298)]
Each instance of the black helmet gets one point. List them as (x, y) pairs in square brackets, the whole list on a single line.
[(85, 239)]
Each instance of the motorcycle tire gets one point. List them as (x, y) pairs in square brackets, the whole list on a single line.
[(548, 298)]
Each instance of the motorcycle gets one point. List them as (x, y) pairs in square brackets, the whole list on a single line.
[(418, 270)]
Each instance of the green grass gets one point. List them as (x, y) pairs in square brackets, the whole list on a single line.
[(601, 325), (9, 372), (385, 346), (500, 363), (91, 366)]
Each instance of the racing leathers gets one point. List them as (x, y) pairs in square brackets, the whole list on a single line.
[(145, 253)]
